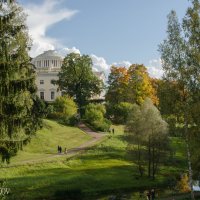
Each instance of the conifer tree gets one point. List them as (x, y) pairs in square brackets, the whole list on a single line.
[(18, 103)]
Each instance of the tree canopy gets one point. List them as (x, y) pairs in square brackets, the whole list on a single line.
[(146, 128), (180, 53), (131, 85), (77, 79), (18, 103)]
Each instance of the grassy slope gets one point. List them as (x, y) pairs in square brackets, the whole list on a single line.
[(45, 142), (102, 169)]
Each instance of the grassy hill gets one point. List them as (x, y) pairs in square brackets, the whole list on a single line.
[(102, 170), (44, 143)]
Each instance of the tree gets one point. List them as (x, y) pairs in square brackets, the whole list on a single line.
[(156, 130), (135, 135), (63, 109), (66, 106), (118, 85), (131, 86), (191, 27), (140, 85), (95, 116), (181, 62), (77, 79), (119, 112), (18, 116), (170, 107), (146, 128)]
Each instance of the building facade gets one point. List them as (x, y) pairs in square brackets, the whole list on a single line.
[(48, 65)]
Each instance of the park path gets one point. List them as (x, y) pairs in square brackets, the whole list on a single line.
[(96, 137)]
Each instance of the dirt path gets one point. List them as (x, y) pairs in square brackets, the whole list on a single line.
[(96, 137)]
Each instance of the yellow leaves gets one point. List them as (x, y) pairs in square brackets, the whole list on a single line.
[(121, 74), (132, 85), (183, 184)]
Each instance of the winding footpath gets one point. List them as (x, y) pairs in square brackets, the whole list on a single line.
[(96, 137)]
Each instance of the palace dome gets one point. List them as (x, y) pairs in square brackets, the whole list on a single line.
[(48, 60)]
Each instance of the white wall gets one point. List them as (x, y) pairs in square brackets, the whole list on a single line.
[(47, 87)]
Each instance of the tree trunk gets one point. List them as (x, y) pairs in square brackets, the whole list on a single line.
[(188, 156), (153, 164), (139, 162), (149, 157)]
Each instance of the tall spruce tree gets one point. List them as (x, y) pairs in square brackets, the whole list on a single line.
[(19, 117)]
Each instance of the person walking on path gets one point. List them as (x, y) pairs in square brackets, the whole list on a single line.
[(65, 150), (113, 131), (60, 149)]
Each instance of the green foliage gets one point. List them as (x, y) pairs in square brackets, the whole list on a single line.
[(95, 116), (146, 128), (100, 171), (63, 109), (128, 86), (77, 79), (19, 111), (43, 146), (181, 63), (131, 85), (119, 112)]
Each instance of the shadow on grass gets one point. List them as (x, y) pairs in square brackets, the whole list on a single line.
[(65, 183)]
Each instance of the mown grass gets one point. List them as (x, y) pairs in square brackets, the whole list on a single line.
[(102, 170), (46, 141)]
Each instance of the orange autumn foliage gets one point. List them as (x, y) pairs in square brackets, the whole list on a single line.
[(131, 85)]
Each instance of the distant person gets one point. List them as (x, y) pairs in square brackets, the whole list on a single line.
[(153, 194), (60, 149), (113, 131), (65, 150)]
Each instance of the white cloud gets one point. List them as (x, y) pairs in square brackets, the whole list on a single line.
[(122, 64), (99, 63), (155, 68), (64, 51), (40, 18)]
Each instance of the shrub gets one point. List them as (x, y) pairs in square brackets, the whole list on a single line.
[(64, 110), (119, 112), (183, 184), (94, 115)]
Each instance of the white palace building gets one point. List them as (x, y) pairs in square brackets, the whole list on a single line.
[(48, 64)]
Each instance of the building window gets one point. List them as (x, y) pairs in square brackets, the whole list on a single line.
[(52, 95), (42, 95), (41, 82)]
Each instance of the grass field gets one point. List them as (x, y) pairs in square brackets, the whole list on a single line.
[(102, 170), (45, 142)]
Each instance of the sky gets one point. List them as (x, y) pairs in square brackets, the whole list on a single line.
[(112, 32)]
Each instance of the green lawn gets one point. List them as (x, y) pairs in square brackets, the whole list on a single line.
[(44, 144), (102, 170)]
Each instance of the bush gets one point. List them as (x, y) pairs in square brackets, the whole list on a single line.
[(102, 125), (94, 115), (64, 109), (119, 112), (183, 184)]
